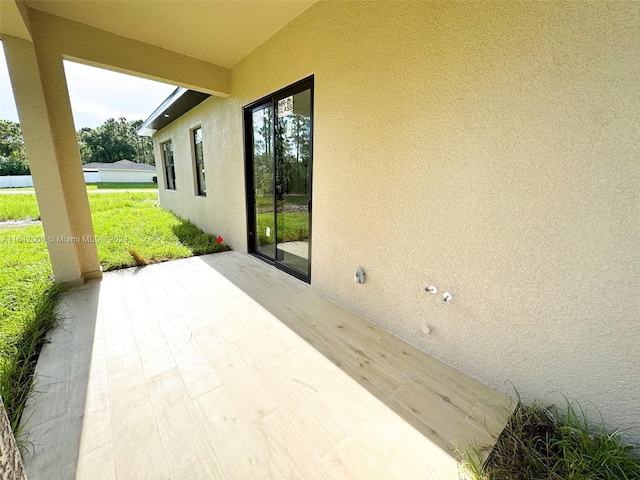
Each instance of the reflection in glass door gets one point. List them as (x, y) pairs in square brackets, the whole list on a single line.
[(279, 146), (263, 181)]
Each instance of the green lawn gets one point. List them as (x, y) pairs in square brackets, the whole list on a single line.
[(100, 186), (293, 224), (130, 229), (133, 221), (264, 203), (19, 207), (124, 185), (291, 227), (122, 221)]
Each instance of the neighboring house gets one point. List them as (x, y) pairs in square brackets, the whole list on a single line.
[(121, 171), (490, 149)]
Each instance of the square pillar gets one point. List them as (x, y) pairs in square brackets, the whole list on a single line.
[(40, 90)]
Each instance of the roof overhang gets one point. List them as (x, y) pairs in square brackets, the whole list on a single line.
[(14, 19), (219, 32), (177, 104)]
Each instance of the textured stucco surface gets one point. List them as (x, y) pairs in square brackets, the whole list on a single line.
[(77, 41), (222, 211), (40, 90), (489, 149)]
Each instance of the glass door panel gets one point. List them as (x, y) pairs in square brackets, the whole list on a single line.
[(293, 180), (279, 150), (263, 181)]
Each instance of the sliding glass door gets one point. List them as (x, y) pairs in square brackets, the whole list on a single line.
[(278, 140)]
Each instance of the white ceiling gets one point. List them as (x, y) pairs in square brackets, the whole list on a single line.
[(217, 31)]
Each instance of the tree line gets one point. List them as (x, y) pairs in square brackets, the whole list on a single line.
[(112, 141), (293, 154)]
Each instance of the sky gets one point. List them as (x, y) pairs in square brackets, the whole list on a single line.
[(95, 94)]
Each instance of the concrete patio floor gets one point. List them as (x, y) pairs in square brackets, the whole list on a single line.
[(222, 367)]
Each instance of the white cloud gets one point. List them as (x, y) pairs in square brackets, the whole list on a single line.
[(104, 113)]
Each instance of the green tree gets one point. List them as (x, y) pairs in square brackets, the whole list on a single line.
[(13, 160), (108, 143), (144, 145), (112, 141), (301, 155), (293, 153), (11, 142), (13, 166), (263, 147), (83, 144), (115, 140)]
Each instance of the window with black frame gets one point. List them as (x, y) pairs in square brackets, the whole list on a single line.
[(169, 168), (201, 184)]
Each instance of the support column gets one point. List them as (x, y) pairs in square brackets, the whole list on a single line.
[(40, 90)]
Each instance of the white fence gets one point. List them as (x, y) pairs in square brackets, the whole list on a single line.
[(13, 181)]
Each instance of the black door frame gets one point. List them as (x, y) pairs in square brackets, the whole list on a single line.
[(272, 100)]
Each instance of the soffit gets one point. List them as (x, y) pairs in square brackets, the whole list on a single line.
[(11, 21), (176, 105), (222, 32)]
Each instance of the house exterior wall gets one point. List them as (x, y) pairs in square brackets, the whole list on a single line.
[(120, 176), (490, 149), (222, 211), (91, 177)]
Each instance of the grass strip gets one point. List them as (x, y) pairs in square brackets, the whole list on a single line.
[(291, 227), (132, 230), (19, 363), (22, 206), (545, 443), (122, 185)]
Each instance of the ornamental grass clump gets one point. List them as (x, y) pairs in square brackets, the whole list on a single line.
[(20, 355), (546, 443)]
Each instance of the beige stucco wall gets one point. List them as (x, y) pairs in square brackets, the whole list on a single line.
[(489, 149), (222, 211), (92, 46), (119, 176), (40, 90)]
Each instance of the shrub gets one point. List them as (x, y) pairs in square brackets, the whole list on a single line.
[(547, 443), (13, 166)]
